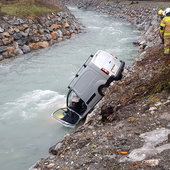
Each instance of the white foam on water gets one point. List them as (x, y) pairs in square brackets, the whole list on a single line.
[(93, 27), (32, 103)]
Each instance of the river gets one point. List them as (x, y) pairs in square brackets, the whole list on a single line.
[(34, 85)]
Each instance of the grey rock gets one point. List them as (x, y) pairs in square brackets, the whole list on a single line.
[(54, 20), (47, 37), (58, 146), (66, 37), (1, 37), (20, 42), (168, 126), (1, 30), (17, 36), (5, 18), (16, 23), (3, 49), (47, 31), (50, 29), (34, 39), (18, 51), (31, 32), (26, 49), (1, 57), (15, 44), (33, 27), (24, 34), (60, 34), (48, 23), (41, 31)]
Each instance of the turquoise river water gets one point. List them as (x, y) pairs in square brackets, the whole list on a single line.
[(35, 85)]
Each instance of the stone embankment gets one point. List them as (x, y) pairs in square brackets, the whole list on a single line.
[(21, 35)]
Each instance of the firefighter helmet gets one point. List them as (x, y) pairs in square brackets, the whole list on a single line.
[(160, 12), (167, 10)]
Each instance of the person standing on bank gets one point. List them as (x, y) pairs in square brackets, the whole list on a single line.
[(161, 14), (165, 31)]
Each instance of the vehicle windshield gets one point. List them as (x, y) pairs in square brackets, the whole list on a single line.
[(76, 103)]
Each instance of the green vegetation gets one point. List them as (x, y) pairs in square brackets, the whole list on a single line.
[(28, 8)]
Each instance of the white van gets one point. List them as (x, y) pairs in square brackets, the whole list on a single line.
[(88, 87)]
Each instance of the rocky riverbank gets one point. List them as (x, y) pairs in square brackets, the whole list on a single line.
[(22, 35), (145, 18), (130, 129)]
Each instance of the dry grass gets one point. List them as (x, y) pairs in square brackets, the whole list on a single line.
[(26, 9)]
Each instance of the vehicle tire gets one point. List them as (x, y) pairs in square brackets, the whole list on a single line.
[(119, 78), (102, 90)]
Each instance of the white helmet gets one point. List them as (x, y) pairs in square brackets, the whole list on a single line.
[(167, 10)]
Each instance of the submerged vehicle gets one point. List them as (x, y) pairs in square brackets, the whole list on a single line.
[(88, 87)]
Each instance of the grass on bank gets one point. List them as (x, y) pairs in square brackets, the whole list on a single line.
[(26, 9)]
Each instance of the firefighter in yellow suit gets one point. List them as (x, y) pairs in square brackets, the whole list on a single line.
[(165, 31), (161, 13)]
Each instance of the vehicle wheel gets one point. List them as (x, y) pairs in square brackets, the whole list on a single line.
[(119, 78), (102, 90)]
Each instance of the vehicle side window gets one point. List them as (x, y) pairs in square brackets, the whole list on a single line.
[(76, 103)]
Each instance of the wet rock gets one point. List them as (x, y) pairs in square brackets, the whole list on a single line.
[(26, 49)]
